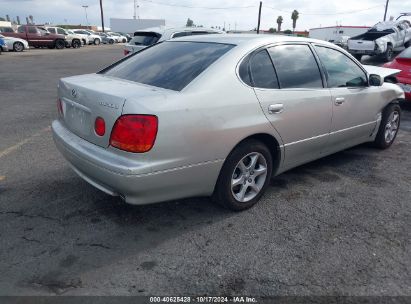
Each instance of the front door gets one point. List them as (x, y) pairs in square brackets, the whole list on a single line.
[(354, 118), (296, 102)]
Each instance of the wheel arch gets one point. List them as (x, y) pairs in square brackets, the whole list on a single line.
[(271, 142)]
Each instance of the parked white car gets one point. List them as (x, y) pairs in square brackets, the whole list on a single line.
[(119, 37), (147, 37), (15, 44), (382, 39), (92, 38), (84, 37)]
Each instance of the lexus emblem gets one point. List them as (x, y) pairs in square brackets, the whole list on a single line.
[(74, 93)]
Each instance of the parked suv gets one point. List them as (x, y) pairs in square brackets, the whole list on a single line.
[(72, 40), (36, 36)]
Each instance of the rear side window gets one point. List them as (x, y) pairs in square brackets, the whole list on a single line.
[(51, 30), (21, 29), (61, 31), (144, 38), (169, 65), (341, 70), (296, 66), (257, 70)]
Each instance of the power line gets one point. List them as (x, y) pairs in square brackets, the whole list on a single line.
[(328, 14), (254, 6), (200, 7)]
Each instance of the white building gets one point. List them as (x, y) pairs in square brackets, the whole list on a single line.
[(335, 32), (131, 25)]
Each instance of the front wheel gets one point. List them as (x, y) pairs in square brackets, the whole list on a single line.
[(390, 123), (111, 41), (18, 46), (96, 41), (389, 54), (76, 44), (245, 176), (60, 44)]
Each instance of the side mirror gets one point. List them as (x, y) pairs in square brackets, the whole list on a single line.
[(46, 33), (375, 80)]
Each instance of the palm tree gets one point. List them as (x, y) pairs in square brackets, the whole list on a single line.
[(294, 17), (279, 22)]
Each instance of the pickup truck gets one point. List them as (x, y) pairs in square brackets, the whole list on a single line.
[(382, 39), (72, 40), (35, 36)]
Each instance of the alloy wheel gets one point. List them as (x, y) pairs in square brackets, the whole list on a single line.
[(249, 177), (391, 127)]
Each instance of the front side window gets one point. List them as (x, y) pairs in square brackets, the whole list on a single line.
[(51, 30), (32, 30), (21, 29), (341, 70), (169, 65), (296, 66)]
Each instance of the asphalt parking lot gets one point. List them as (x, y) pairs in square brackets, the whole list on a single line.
[(340, 225)]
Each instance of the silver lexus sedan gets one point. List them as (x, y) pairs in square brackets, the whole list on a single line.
[(219, 115)]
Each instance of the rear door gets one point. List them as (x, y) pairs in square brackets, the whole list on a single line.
[(294, 100), (355, 104)]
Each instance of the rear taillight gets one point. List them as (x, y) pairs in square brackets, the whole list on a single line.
[(100, 126), (134, 133), (126, 52), (60, 107)]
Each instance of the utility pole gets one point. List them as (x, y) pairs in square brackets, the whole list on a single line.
[(85, 9), (386, 8), (136, 10), (102, 15), (259, 18)]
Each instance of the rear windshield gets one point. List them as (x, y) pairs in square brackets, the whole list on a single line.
[(169, 65), (144, 38)]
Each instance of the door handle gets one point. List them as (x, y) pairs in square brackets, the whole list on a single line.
[(275, 108), (339, 101)]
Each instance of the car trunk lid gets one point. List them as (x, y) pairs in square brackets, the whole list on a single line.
[(87, 97)]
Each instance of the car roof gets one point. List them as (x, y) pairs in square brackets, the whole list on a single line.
[(249, 39)]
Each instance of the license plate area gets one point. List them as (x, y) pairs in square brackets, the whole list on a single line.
[(77, 117)]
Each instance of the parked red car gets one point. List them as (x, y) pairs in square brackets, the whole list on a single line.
[(403, 62)]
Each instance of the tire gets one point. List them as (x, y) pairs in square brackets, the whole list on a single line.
[(407, 44), (18, 46), (96, 41), (389, 54), (239, 168), (390, 124), (124, 40), (84, 41), (59, 44), (358, 57), (111, 41), (76, 43)]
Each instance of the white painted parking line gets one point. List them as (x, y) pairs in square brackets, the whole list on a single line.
[(23, 142)]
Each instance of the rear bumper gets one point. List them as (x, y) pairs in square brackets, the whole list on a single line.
[(133, 180)]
